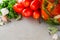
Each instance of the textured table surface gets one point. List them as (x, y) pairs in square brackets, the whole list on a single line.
[(25, 29)]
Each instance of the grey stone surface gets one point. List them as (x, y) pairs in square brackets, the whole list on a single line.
[(25, 29)]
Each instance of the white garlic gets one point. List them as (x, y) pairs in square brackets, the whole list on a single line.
[(56, 17), (1, 23), (4, 11), (1, 1), (4, 19), (19, 1), (55, 37)]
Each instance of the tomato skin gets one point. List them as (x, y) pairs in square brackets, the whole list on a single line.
[(44, 15), (18, 7), (56, 10), (36, 14), (27, 12), (26, 3), (34, 5), (40, 3)]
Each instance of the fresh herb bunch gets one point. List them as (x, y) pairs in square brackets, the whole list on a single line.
[(9, 5), (52, 30), (51, 21)]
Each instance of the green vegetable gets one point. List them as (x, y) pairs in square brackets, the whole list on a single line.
[(56, 2), (4, 4), (0, 13), (46, 10), (9, 5), (11, 14), (19, 17), (52, 30), (52, 21), (45, 3)]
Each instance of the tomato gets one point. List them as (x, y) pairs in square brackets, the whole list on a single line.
[(40, 3), (18, 7), (27, 12), (34, 4), (26, 3), (44, 15), (36, 14), (56, 10)]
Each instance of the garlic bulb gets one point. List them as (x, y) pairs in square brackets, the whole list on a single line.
[(4, 11), (57, 17), (1, 1), (4, 19), (19, 1), (55, 37)]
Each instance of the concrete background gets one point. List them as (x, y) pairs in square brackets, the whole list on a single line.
[(25, 29)]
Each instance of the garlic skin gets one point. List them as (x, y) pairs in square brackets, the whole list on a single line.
[(55, 37), (4, 11), (57, 17), (1, 1), (4, 18), (19, 1)]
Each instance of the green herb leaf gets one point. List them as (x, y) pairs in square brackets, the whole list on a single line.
[(52, 29)]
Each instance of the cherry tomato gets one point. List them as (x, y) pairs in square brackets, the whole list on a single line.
[(27, 12), (18, 7), (34, 4), (44, 15), (40, 3), (36, 14), (26, 3), (56, 10)]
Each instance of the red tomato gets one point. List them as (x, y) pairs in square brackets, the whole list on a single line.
[(34, 4), (27, 12), (26, 3), (18, 7), (40, 3), (56, 10), (36, 14)]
